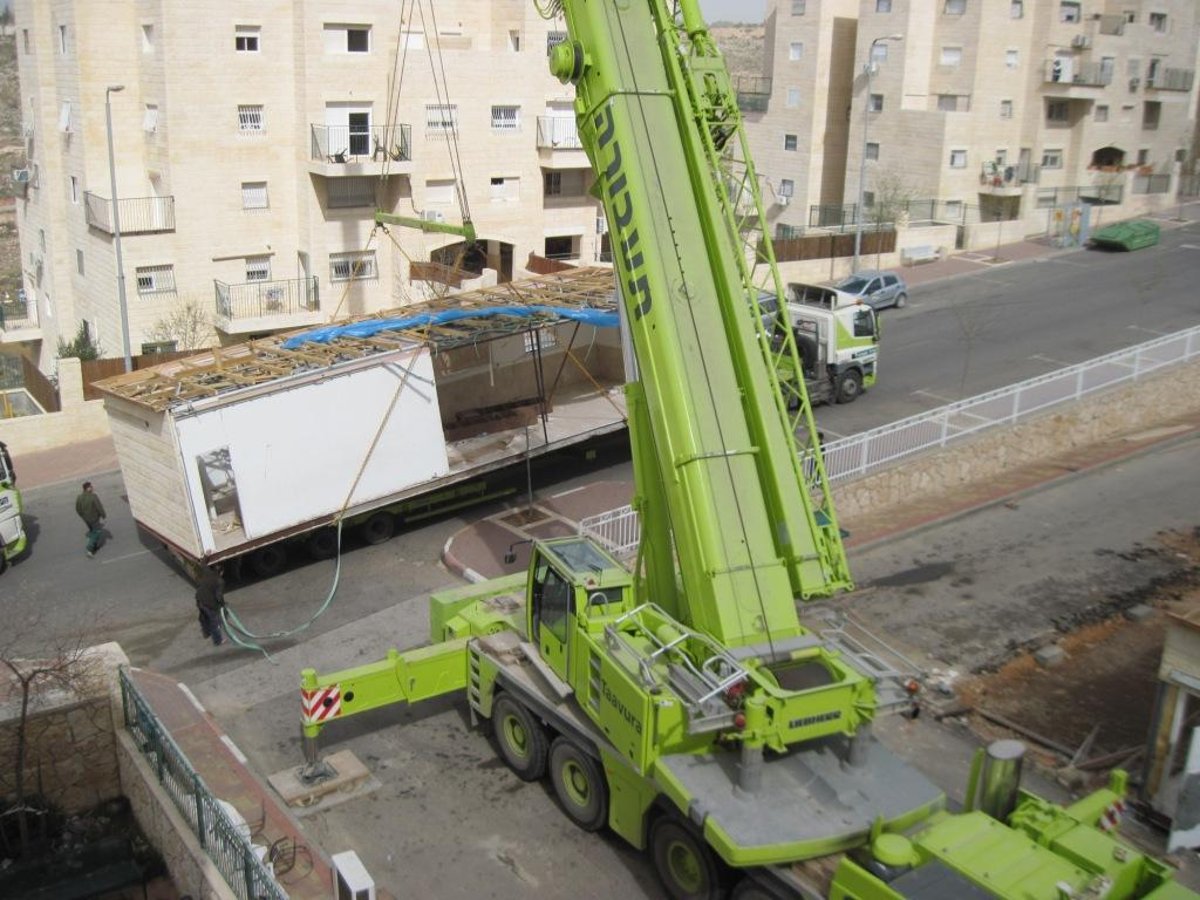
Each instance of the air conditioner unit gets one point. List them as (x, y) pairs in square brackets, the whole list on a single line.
[(351, 879), (1081, 42), (783, 199), (21, 176), (1134, 83), (433, 215)]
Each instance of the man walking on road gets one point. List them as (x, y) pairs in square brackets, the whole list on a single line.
[(210, 597), (91, 510)]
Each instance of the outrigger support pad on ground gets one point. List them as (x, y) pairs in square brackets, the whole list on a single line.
[(315, 770)]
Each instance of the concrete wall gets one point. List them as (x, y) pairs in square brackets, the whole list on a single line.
[(80, 420), (1143, 405)]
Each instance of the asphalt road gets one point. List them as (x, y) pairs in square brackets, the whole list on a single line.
[(970, 334)]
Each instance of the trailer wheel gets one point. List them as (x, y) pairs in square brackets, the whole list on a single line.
[(322, 543), (521, 738), (683, 861), (378, 528), (268, 561), (580, 785), (849, 386)]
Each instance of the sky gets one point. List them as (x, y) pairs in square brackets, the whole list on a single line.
[(732, 10)]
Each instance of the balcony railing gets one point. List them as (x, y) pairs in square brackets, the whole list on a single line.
[(260, 299), (16, 314), (995, 175), (139, 215), (352, 144), (1171, 80), (753, 92), (1070, 71), (558, 133)]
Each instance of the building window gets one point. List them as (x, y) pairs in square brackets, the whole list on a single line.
[(258, 268), (953, 209), (1151, 113), (505, 188), (552, 184), (73, 187), (147, 38), (1006, 109), (875, 103), (245, 38), (1143, 157), (155, 279), (506, 118), (951, 56), (1108, 65), (25, 39), (1068, 11), (251, 120), (1158, 21), (879, 52), (883, 6), (872, 150), (955, 7), (439, 192), (798, 7), (787, 188), (795, 50), (953, 103), (868, 198), (347, 38), (790, 142), (514, 40), (254, 195), (357, 266), (1052, 159), (793, 98), (64, 117), (79, 261), (150, 118), (958, 159), (1016, 9), (62, 39), (560, 247), (1130, 17), (553, 39), (1101, 113), (441, 118), (159, 347), (1057, 111), (1012, 58), (348, 193), (1002, 157)]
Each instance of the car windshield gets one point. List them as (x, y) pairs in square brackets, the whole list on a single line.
[(852, 285)]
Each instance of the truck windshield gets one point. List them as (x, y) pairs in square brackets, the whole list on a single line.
[(582, 557)]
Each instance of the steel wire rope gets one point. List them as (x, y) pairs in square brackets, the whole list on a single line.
[(653, 162)]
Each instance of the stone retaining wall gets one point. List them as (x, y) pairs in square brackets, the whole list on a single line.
[(1136, 407)]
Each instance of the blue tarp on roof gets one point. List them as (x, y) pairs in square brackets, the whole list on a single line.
[(367, 328)]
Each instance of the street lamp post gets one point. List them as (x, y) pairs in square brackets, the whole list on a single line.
[(862, 170), (116, 223)]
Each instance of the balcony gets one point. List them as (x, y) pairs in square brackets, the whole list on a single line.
[(18, 321), (1062, 76), (1005, 180), (1171, 80), (1112, 25), (559, 146), (753, 92), (345, 150), (267, 305), (139, 215)]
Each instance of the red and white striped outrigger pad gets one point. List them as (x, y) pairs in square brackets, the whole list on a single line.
[(321, 704), (1111, 817)]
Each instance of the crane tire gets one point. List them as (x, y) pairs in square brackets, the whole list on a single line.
[(520, 737), (684, 863), (580, 784)]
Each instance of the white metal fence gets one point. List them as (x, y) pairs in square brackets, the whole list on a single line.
[(859, 454)]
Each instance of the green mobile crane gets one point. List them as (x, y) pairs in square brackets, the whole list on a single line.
[(683, 704)]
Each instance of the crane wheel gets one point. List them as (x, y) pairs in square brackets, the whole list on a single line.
[(378, 528), (684, 863), (520, 737), (580, 785)]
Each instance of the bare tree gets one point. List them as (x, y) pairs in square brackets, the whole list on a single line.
[(894, 193), (67, 668), (189, 326)]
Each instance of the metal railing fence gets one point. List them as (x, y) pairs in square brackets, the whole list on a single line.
[(225, 843), (558, 132), (255, 299), (139, 215), (1151, 184), (358, 144), (860, 454)]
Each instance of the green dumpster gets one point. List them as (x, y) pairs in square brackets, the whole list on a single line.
[(1132, 235)]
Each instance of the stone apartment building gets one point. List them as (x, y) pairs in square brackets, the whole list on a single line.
[(998, 105), (254, 144)]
